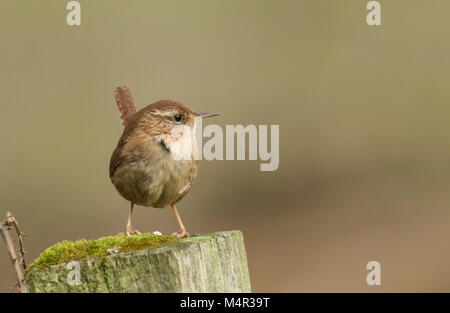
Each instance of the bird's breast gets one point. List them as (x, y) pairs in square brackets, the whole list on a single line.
[(157, 175)]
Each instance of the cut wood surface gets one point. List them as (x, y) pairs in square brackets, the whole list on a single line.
[(214, 262)]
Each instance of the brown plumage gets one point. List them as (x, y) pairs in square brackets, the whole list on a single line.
[(143, 167), (125, 102)]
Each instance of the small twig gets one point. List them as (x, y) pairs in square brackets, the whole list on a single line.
[(10, 220), (4, 229)]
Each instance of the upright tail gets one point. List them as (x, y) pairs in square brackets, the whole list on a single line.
[(125, 102)]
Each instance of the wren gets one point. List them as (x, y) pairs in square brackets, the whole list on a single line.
[(143, 167)]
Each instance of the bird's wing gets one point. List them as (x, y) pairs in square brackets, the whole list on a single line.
[(114, 163), (125, 102)]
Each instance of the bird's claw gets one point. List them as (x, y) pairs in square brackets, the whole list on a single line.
[(181, 234), (131, 231)]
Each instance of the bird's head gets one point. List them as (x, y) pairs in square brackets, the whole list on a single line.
[(171, 124), (168, 114)]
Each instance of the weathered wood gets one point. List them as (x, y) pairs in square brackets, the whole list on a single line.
[(208, 263)]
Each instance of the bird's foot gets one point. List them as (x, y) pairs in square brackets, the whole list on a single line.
[(132, 231), (181, 234)]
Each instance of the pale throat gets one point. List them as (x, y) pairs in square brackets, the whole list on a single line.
[(181, 142)]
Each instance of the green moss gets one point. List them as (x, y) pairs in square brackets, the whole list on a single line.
[(66, 251)]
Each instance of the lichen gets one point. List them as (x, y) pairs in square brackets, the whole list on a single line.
[(65, 251)]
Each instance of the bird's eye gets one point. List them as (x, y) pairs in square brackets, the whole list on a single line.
[(177, 117)]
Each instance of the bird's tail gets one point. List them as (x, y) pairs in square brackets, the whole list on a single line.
[(125, 102)]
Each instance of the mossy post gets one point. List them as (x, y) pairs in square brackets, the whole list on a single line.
[(207, 263)]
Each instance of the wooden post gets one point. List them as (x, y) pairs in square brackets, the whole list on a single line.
[(207, 263)]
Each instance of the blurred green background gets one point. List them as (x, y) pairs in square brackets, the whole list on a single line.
[(363, 115)]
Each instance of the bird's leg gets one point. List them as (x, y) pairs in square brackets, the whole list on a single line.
[(182, 233), (130, 230)]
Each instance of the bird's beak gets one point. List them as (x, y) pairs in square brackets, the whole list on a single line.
[(206, 114)]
